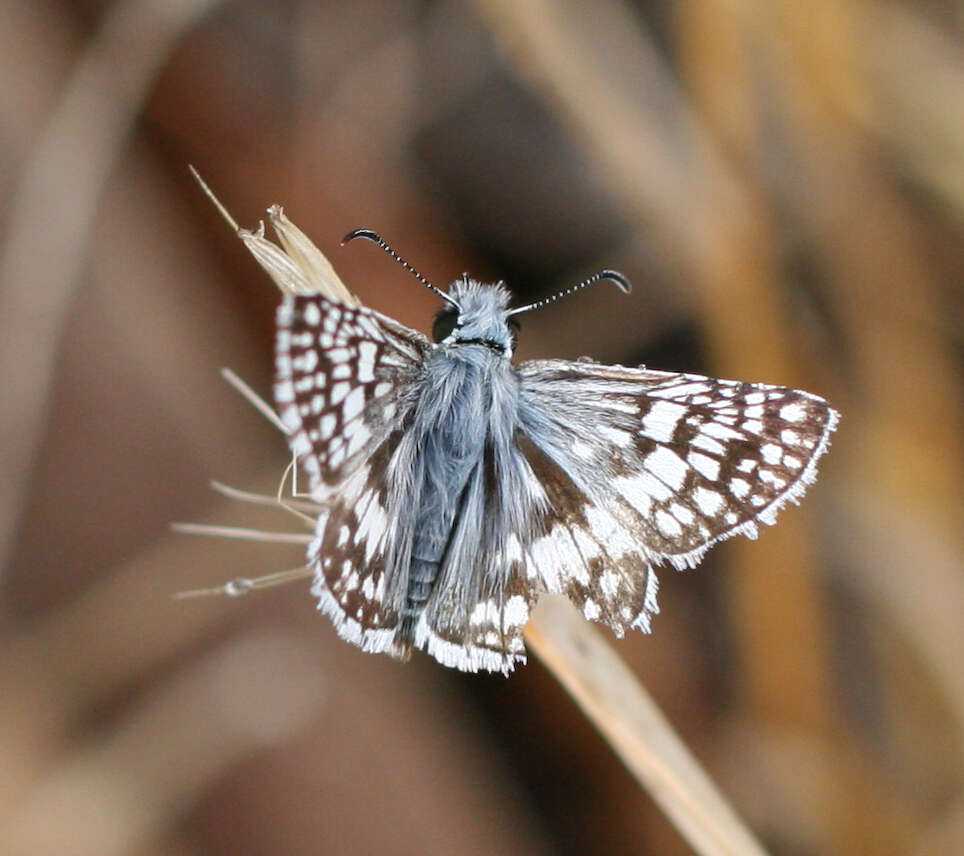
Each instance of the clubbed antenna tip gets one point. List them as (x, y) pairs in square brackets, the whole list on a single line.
[(377, 239), (620, 281)]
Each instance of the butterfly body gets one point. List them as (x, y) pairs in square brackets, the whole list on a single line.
[(467, 396), (457, 487)]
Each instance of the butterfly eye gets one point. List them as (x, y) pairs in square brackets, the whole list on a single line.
[(514, 328), (445, 322)]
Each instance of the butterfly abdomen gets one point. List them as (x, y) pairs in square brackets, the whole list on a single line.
[(421, 580), (431, 535), (451, 421)]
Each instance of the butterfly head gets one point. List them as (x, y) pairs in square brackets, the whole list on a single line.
[(476, 313)]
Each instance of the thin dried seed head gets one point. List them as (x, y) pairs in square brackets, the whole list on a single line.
[(282, 269), (298, 266), (309, 259)]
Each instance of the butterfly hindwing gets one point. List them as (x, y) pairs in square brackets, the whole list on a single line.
[(581, 549), (351, 556)]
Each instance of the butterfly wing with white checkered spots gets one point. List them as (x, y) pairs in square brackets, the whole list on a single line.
[(646, 467), (343, 373)]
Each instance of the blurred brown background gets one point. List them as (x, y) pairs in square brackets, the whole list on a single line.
[(784, 184)]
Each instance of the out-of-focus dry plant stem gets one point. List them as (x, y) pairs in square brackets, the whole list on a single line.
[(43, 252), (910, 448), (774, 587), (118, 792), (633, 143), (946, 836), (872, 248), (88, 651), (932, 596), (48, 227), (734, 266), (924, 80), (874, 251)]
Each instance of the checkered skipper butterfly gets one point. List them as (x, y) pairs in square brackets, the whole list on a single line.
[(457, 487)]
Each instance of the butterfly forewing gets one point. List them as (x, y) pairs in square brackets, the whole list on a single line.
[(681, 460), (340, 370), (341, 374)]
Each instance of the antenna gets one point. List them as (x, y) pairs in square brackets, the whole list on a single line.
[(622, 283), (376, 239)]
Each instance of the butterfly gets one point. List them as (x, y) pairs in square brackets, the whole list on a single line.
[(456, 487)]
